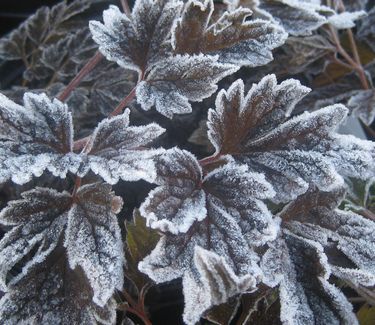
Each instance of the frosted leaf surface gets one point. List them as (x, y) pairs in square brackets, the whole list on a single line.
[(256, 129), (46, 23), (176, 62), (219, 283), (227, 218), (298, 18), (175, 81), (93, 240), (137, 41), (232, 37), (39, 136), (179, 200), (183, 194), (346, 19), (362, 105), (366, 31), (51, 293), (35, 137), (306, 297), (348, 238), (38, 218), (117, 150)]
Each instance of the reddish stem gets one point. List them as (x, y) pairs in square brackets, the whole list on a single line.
[(91, 64), (77, 185), (209, 160), (125, 7), (124, 102)]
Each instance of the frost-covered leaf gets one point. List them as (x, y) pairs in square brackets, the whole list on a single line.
[(39, 29), (345, 19), (89, 224), (362, 105), (173, 74), (52, 293), (39, 136), (300, 268), (39, 219), (35, 137), (179, 200), (93, 239), (256, 129), (183, 196), (303, 52), (219, 283), (62, 59), (175, 81), (220, 212), (234, 38), (367, 29), (138, 41), (297, 17), (348, 238), (116, 150)]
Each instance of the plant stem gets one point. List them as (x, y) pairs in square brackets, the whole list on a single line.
[(91, 64), (124, 102), (125, 7), (209, 160), (77, 185)]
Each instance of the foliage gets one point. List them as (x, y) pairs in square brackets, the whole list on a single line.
[(252, 198)]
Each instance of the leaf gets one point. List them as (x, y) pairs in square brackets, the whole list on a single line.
[(39, 136), (183, 196), (224, 313), (35, 137), (298, 18), (219, 283), (232, 37), (136, 42), (346, 19), (366, 315), (93, 240), (116, 150), (348, 238), (38, 29), (88, 223), (362, 105), (169, 76), (300, 267), (291, 152), (175, 81), (220, 212), (366, 30), (140, 241), (52, 293), (39, 219)]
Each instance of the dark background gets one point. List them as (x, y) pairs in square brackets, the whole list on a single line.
[(14, 12)]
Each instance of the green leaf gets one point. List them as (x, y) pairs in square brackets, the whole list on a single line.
[(140, 241), (366, 315)]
